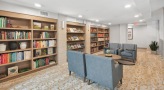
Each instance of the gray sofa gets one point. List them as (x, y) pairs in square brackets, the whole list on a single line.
[(129, 51), (76, 63), (103, 71), (113, 47)]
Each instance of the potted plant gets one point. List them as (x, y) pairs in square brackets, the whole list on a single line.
[(154, 46)]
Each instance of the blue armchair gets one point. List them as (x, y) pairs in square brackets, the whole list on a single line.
[(129, 51), (112, 48), (103, 71), (76, 63)]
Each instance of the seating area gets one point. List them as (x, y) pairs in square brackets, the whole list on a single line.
[(90, 67)]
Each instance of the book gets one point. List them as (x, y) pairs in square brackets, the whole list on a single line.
[(14, 57), (44, 52), (37, 53), (12, 70), (37, 25), (27, 55), (50, 50), (52, 26)]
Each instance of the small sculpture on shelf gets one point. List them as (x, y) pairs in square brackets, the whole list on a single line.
[(13, 45), (23, 45)]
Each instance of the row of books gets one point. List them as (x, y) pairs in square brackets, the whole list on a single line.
[(3, 22), (101, 39), (15, 56), (75, 46), (45, 43), (39, 25), (106, 38), (44, 35), (93, 49), (94, 30), (74, 38), (41, 62), (15, 35), (75, 30), (106, 35), (93, 35), (40, 52), (93, 39), (100, 35)]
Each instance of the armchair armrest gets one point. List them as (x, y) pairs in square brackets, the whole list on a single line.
[(119, 51)]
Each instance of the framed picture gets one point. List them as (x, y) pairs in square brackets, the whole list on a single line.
[(130, 33), (12, 70)]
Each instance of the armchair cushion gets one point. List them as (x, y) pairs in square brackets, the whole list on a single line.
[(124, 53)]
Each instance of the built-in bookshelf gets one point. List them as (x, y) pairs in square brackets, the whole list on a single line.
[(27, 43), (99, 38), (76, 36)]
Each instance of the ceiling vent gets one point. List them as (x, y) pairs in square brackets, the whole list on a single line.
[(44, 13)]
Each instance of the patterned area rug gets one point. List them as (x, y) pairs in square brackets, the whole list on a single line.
[(146, 74)]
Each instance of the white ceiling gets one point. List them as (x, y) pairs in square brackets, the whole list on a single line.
[(105, 11)]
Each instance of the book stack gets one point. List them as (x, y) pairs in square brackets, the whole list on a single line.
[(44, 35), (41, 62), (15, 35), (75, 46), (45, 43), (3, 22), (75, 38), (75, 30), (100, 39), (15, 56)]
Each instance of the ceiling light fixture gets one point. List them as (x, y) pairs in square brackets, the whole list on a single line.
[(141, 20), (38, 5), (80, 16), (97, 20), (128, 6), (136, 16), (109, 23)]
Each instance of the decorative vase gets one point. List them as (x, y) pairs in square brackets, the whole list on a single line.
[(13, 45), (2, 47), (23, 45)]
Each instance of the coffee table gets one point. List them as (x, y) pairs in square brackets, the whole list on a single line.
[(118, 59), (113, 56)]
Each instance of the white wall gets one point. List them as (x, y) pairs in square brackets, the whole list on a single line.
[(159, 15), (115, 34), (142, 34)]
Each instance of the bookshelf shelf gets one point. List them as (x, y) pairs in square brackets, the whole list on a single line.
[(28, 29), (14, 62), (75, 41), (76, 36), (8, 51), (44, 38), (21, 29), (75, 33), (45, 30), (45, 56), (44, 47), (15, 40), (99, 37)]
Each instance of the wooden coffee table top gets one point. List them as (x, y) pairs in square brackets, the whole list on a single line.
[(113, 56)]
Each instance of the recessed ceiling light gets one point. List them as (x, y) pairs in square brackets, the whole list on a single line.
[(97, 20), (80, 16), (141, 20), (109, 23), (127, 6), (136, 16), (37, 5)]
